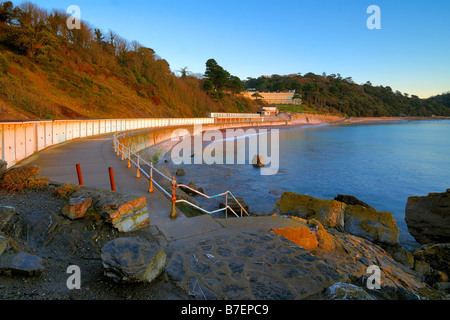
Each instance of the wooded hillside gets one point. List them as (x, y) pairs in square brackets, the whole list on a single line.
[(50, 71)]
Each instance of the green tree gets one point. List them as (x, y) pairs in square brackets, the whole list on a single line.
[(235, 84), (6, 12), (257, 96), (99, 38), (216, 74)]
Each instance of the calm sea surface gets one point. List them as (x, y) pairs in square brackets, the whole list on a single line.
[(382, 164)]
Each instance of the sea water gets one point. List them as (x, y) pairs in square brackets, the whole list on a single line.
[(380, 163)]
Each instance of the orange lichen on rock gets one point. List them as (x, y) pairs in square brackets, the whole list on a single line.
[(310, 236), (299, 235)]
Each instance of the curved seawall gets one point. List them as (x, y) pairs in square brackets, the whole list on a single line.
[(21, 139)]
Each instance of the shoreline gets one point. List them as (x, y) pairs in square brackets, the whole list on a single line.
[(391, 119)]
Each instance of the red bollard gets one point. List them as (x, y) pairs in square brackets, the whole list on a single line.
[(111, 178), (80, 177)]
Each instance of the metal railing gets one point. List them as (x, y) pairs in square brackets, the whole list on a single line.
[(134, 159)]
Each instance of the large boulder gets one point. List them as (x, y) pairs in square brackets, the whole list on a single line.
[(21, 263), (330, 213), (378, 227), (258, 161), (128, 260), (428, 217), (125, 212), (76, 208), (437, 256), (351, 201)]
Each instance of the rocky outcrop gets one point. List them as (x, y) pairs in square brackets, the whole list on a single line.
[(258, 161), (378, 227), (76, 208), (330, 213), (367, 223), (310, 235), (351, 200), (362, 221), (428, 221), (432, 262), (128, 260), (180, 172), (428, 217), (125, 212), (254, 265), (189, 190)]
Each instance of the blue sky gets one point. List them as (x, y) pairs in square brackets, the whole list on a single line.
[(249, 38)]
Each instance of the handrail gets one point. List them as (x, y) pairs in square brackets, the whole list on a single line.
[(127, 153)]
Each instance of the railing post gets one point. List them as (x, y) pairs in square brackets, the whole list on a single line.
[(173, 212), (138, 174), (150, 189), (129, 159), (226, 205), (80, 176)]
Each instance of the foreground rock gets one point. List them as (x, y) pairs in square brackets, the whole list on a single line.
[(428, 217), (125, 212), (76, 208), (330, 213), (255, 265), (310, 235), (362, 221), (432, 263), (352, 201), (378, 227), (132, 260), (266, 265), (370, 224), (21, 263)]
